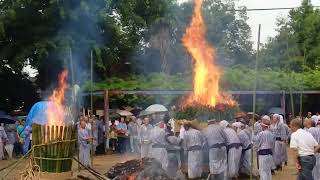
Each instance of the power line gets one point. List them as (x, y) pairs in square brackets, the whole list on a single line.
[(269, 9)]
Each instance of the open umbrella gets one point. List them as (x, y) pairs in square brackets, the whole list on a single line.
[(124, 113), (145, 113), (156, 108), (6, 119)]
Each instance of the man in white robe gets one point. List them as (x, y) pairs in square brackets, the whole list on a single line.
[(84, 145), (279, 132), (315, 131), (193, 143), (245, 163), (264, 142), (3, 139), (159, 144), (216, 140), (234, 151), (144, 137)]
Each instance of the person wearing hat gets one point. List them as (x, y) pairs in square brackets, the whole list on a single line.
[(280, 133), (245, 141), (193, 143), (216, 139), (264, 142), (234, 150), (315, 131), (304, 147)]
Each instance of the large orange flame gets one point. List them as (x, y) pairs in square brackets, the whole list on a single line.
[(55, 111), (206, 73)]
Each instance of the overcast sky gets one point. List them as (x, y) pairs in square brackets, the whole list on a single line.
[(267, 19)]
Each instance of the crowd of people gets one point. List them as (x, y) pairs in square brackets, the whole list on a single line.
[(225, 147), (12, 140)]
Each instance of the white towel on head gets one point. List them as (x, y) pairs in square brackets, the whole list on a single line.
[(224, 123), (281, 118), (237, 124)]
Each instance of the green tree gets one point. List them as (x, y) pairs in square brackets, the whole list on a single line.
[(296, 46)]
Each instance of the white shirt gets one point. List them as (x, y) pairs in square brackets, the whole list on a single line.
[(304, 142)]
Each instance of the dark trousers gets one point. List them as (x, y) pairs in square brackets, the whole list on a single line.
[(307, 163), (122, 144), (17, 148)]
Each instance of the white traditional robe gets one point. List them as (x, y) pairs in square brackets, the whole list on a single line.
[(144, 136), (84, 147), (234, 153), (265, 140), (315, 131), (159, 143), (245, 163), (279, 131), (193, 143), (215, 138)]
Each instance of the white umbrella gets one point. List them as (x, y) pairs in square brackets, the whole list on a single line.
[(156, 108), (145, 113), (124, 113)]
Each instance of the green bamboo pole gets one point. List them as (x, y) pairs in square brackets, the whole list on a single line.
[(255, 94)]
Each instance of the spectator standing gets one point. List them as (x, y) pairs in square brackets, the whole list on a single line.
[(100, 131), (21, 136), (3, 140), (11, 134), (133, 134), (122, 131), (304, 146), (113, 136)]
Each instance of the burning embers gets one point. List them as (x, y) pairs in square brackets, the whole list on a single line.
[(138, 169), (207, 74), (55, 110)]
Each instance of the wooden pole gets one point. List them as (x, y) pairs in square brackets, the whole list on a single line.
[(106, 112), (254, 93), (91, 105), (290, 82), (301, 95)]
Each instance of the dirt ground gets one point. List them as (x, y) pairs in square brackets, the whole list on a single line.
[(103, 163)]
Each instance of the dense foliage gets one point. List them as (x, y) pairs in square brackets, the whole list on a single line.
[(296, 47), (233, 79)]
